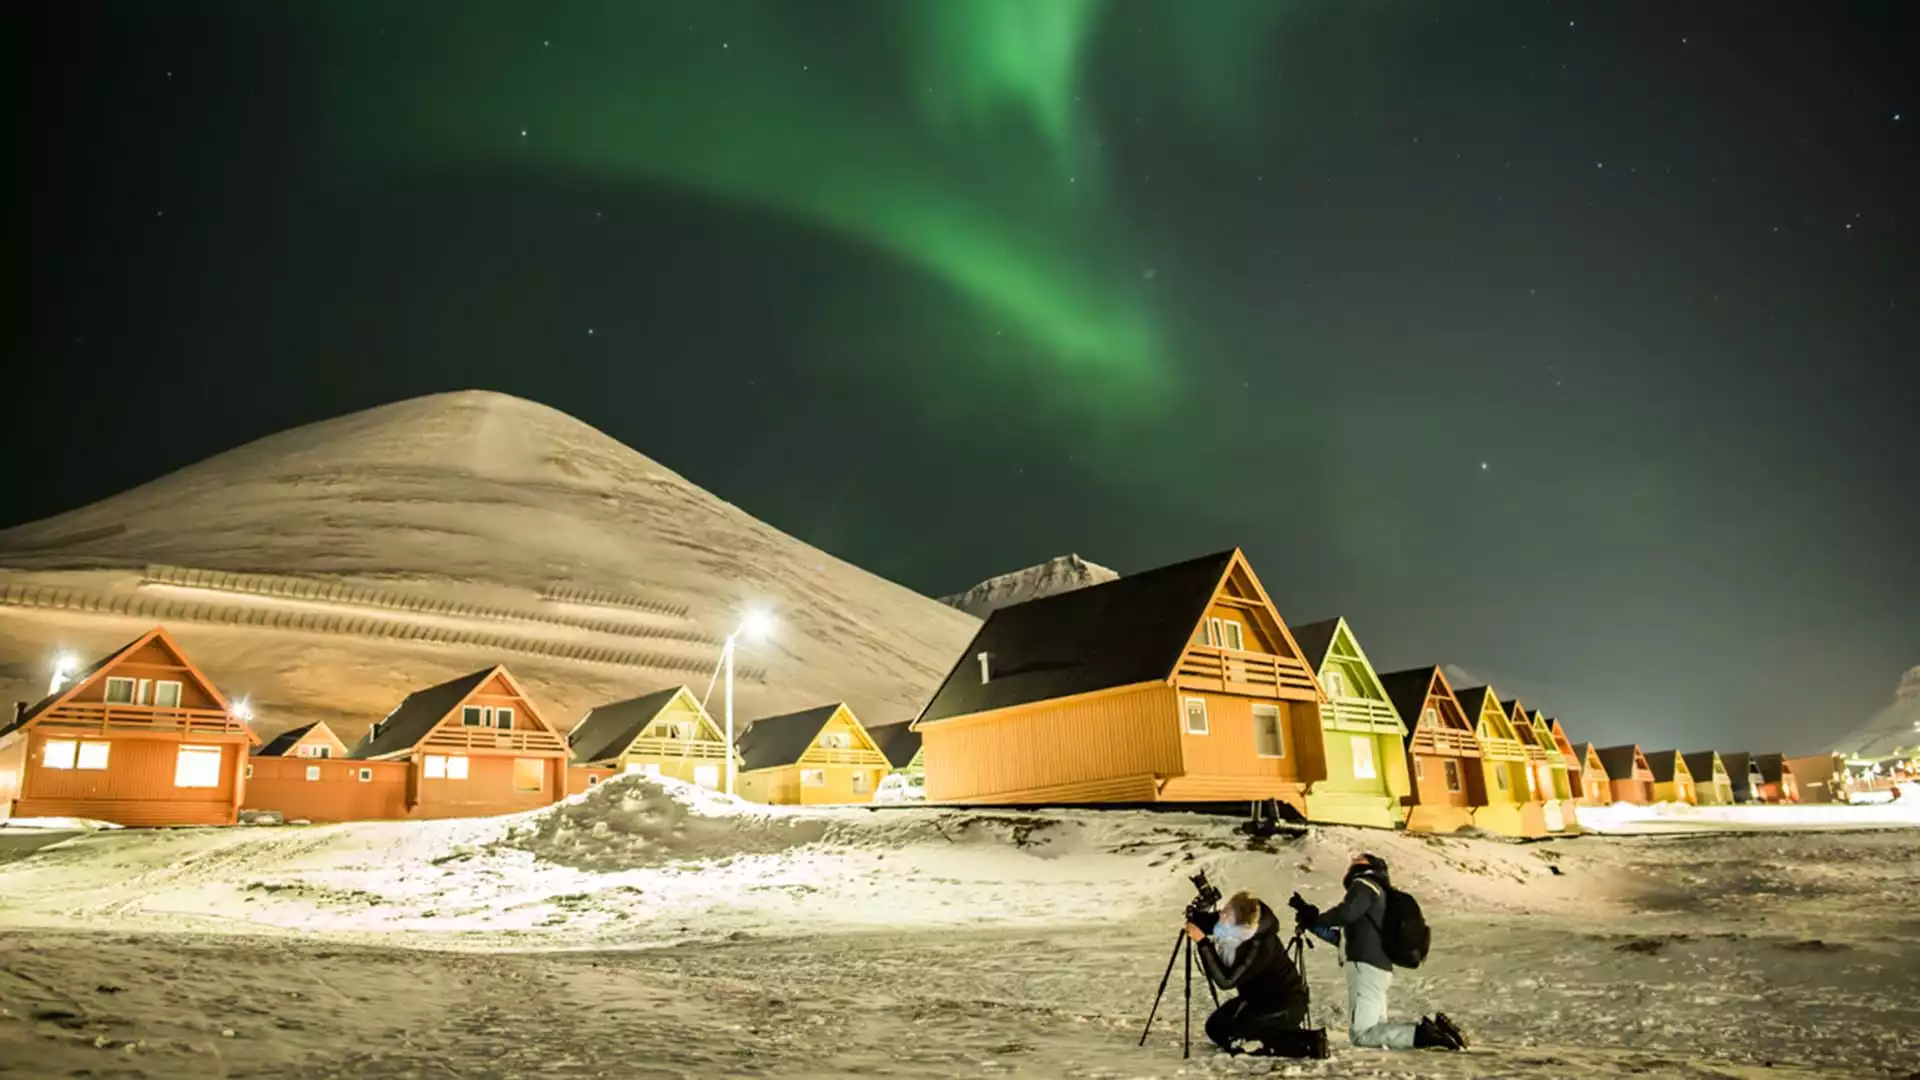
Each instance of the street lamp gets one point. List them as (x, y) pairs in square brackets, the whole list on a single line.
[(753, 625), (64, 666)]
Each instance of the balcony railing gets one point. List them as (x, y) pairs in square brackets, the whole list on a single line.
[(678, 748), (1231, 671), (103, 718), (459, 740), (821, 755), (1452, 741), (1363, 713)]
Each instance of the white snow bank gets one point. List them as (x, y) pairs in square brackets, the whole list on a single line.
[(68, 824), (1680, 817)]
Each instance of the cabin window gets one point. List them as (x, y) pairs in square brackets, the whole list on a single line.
[(813, 778), (1500, 778), (644, 768), (434, 767), (1232, 636), (1268, 738), (837, 740), (1334, 683), (473, 716), (592, 779), (1196, 715), (1533, 785), (529, 774), (1363, 758), (1453, 774), (860, 786), (503, 718), (119, 691), (249, 773), (1430, 716), (457, 767), (707, 776), (166, 694), (197, 767), (365, 775), (59, 753), (313, 772)]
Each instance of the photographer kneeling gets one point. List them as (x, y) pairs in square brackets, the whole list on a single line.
[(1243, 952)]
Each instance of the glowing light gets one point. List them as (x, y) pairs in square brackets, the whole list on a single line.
[(755, 624), (65, 666), (240, 710)]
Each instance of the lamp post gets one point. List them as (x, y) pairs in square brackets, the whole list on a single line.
[(753, 624), (64, 666)]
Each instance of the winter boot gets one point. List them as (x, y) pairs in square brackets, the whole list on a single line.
[(1429, 1036), (1447, 1027)]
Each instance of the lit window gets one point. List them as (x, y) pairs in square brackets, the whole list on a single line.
[(529, 774), (860, 783), (813, 778), (1210, 632), (435, 767), (1334, 683), (1268, 740), (1232, 636), (457, 768), (1430, 716), (1363, 758), (592, 779), (1196, 716), (473, 716), (59, 753), (167, 695), (1453, 774), (503, 719), (366, 775), (313, 772), (836, 740), (197, 767), (119, 691), (707, 776), (1500, 778), (249, 770), (144, 695)]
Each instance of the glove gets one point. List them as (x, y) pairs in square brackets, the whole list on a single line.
[(1304, 916), (1328, 934)]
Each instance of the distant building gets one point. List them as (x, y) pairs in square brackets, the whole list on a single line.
[(1629, 776), (666, 733), (813, 757)]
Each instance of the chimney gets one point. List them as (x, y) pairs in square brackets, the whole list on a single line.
[(986, 673), (19, 710)]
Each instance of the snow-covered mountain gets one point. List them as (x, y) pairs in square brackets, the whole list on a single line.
[(1063, 573), (474, 528), (1893, 729)]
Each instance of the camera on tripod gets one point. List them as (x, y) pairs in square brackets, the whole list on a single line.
[(1202, 910)]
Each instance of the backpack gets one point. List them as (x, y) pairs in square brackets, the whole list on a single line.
[(1404, 933)]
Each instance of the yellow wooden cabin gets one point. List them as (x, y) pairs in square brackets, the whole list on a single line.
[(1546, 769), (1175, 685), (1672, 782), (818, 756), (666, 733), (1511, 809), (1712, 785)]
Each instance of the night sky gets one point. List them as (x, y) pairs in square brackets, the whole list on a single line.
[(1574, 343)]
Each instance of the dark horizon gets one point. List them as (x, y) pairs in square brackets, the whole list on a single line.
[(1568, 345)]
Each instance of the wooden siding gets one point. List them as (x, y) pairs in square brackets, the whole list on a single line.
[(782, 786), (1074, 744), (1246, 674), (530, 735), (1142, 788), (1228, 749), (488, 788), (136, 788), (13, 766), (281, 784), (1209, 789)]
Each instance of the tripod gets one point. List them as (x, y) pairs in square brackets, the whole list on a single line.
[(1186, 1029)]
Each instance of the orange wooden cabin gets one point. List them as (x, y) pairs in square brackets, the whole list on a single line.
[(1629, 776), (315, 740), (1443, 757), (140, 738), (1596, 788), (1175, 685), (1777, 782), (1576, 767), (469, 747)]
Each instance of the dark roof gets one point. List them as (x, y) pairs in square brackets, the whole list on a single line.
[(1661, 762), (1619, 761), (417, 715), (1771, 766), (17, 722), (1583, 749), (1314, 640), (1129, 630), (898, 741), (607, 730), (780, 740), (1737, 763), (283, 742), (1472, 700), (1700, 765), (1408, 692)]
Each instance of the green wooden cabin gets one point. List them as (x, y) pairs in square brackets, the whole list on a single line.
[(1366, 743)]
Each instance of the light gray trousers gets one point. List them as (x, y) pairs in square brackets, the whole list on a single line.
[(1367, 1010)]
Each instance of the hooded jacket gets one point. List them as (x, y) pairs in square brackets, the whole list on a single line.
[(1265, 978), (1362, 913)]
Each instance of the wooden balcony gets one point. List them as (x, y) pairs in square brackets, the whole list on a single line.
[(1361, 714), (102, 719), (1245, 674), (486, 740), (821, 755), (1448, 741), (694, 749)]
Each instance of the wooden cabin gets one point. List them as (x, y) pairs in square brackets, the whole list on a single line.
[(1542, 755), (1819, 778), (1672, 782), (1743, 774), (666, 733), (1777, 782), (315, 740), (819, 756), (1445, 781), (1512, 808), (1175, 685), (141, 737), (469, 747), (1712, 785), (1570, 765), (1596, 788), (1365, 742), (1629, 777), (901, 744)]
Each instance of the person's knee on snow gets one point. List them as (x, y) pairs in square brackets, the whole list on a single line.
[(1243, 952), (1358, 924)]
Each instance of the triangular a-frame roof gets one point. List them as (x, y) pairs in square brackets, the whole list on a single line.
[(100, 668), (416, 717), (1125, 632), (282, 744), (1700, 765), (776, 741), (1316, 641), (1482, 705), (898, 741), (1623, 762), (1665, 764), (1589, 755), (1320, 641), (1521, 721), (1410, 690), (1772, 767), (608, 730)]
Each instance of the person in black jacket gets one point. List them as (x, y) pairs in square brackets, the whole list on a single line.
[(1356, 923), (1244, 953)]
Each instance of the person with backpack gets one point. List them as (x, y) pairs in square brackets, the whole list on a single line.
[(1379, 927)]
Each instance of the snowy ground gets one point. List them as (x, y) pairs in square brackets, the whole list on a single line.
[(640, 931)]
